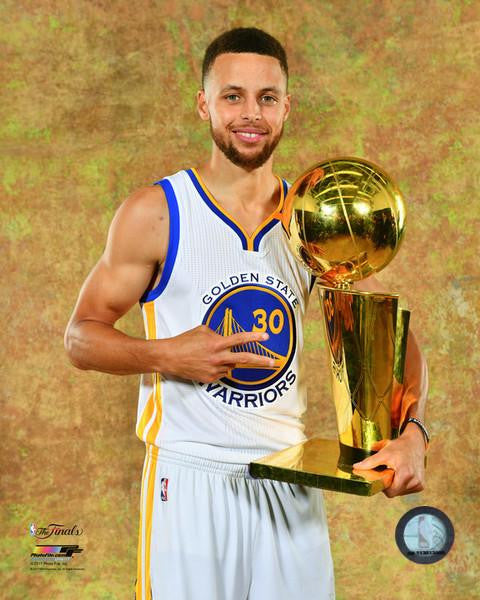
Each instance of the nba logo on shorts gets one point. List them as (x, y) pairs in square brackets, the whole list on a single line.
[(163, 489)]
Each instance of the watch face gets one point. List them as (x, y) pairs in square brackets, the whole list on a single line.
[(424, 535)]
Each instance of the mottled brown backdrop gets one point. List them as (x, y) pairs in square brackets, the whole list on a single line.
[(98, 99)]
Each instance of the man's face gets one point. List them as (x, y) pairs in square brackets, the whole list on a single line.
[(246, 101)]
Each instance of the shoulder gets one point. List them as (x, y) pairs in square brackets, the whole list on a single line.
[(140, 225), (144, 203), (145, 207), (153, 201)]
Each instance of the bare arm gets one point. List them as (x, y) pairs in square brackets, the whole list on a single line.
[(137, 243)]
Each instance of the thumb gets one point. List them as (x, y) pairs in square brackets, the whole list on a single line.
[(376, 459)]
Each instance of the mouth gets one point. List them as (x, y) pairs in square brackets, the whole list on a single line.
[(249, 135)]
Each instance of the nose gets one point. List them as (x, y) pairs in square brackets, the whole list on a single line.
[(251, 110)]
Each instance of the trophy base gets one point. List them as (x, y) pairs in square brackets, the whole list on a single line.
[(318, 463)]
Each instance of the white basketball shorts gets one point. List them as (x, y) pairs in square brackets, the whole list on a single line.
[(208, 531)]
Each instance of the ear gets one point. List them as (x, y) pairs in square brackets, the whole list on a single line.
[(287, 107), (202, 106)]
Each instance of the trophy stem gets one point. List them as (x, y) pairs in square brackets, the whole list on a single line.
[(360, 330)]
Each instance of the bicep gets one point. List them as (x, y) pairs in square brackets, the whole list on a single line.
[(136, 246), (110, 291)]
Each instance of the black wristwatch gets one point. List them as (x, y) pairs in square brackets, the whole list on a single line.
[(419, 424)]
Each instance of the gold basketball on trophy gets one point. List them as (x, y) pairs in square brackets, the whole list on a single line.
[(345, 218)]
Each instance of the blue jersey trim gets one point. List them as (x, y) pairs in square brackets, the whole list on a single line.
[(212, 206), (260, 235), (173, 241)]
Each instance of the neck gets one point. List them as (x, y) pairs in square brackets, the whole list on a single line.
[(246, 186)]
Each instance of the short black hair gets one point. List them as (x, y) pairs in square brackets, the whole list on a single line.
[(244, 39)]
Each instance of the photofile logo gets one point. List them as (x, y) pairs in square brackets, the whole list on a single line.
[(54, 554)]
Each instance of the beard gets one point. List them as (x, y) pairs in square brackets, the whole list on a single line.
[(249, 163)]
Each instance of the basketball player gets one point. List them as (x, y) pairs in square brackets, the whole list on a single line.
[(222, 381)]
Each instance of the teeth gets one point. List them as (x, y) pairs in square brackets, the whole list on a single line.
[(248, 134)]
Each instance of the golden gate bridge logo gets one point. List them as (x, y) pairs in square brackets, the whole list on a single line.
[(229, 325), (246, 308)]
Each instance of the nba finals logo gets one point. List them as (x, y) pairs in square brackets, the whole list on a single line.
[(33, 529), (261, 305)]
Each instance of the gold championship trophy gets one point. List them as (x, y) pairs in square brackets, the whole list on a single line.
[(345, 220)]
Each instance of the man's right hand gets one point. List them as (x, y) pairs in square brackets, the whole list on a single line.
[(202, 355)]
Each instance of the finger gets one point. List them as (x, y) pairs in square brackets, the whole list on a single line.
[(413, 490), (404, 483), (240, 339), (391, 492), (214, 375), (247, 359), (388, 476), (395, 487), (414, 486)]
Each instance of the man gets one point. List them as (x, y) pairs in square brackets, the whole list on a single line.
[(221, 378)]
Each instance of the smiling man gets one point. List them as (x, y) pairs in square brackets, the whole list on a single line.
[(222, 381)]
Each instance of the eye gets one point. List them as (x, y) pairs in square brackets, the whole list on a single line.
[(269, 99), (232, 97)]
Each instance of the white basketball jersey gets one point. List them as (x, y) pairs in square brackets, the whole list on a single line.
[(217, 275)]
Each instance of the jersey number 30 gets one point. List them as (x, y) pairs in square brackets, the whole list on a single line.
[(274, 322)]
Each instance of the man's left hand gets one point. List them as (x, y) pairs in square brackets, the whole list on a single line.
[(406, 456)]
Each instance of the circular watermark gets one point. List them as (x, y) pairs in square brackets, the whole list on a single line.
[(424, 535)]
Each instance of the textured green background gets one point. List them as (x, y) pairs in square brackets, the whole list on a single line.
[(98, 100)]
